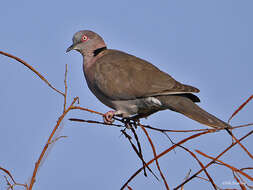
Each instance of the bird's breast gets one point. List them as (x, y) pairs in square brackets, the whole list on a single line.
[(89, 76)]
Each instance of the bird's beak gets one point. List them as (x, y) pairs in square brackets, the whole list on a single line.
[(70, 48)]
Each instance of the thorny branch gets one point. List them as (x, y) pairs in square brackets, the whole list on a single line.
[(52, 139)]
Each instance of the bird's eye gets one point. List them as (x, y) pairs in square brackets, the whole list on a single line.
[(84, 38)]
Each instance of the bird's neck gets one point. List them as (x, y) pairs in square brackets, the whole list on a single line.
[(91, 57), (97, 51)]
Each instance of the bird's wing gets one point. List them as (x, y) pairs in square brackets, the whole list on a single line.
[(120, 76)]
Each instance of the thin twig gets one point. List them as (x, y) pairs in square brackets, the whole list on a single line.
[(201, 165), (138, 154), (240, 107), (154, 152), (162, 154), (210, 163), (96, 122), (177, 131), (66, 88), (37, 164), (85, 109), (249, 186), (207, 180), (194, 130), (58, 138), (238, 181), (186, 177), (243, 147), (241, 126), (225, 164), (8, 183), (8, 173), (139, 148), (247, 168), (11, 186), (32, 69)]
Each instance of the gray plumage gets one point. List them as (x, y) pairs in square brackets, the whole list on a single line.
[(135, 87)]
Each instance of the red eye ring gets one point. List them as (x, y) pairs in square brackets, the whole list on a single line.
[(84, 38)]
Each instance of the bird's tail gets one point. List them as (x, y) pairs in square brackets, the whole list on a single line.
[(187, 107)]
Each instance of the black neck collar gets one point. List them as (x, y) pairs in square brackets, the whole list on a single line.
[(97, 51)]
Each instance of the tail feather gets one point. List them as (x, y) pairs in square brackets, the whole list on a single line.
[(187, 107)]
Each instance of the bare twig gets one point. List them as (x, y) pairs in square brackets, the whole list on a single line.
[(240, 126), (243, 147), (210, 163), (201, 165), (194, 130), (96, 122), (8, 173), (8, 183), (139, 150), (177, 131), (58, 138), (85, 109), (138, 153), (66, 88), (247, 168), (186, 177), (13, 184), (37, 164), (225, 164), (154, 152), (240, 107), (162, 154), (32, 69), (249, 186), (238, 181)]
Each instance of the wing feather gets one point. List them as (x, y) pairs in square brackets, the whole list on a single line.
[(120, 76)]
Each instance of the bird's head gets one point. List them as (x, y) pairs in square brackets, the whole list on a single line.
[(86, 42)]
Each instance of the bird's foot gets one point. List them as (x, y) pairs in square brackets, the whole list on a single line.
[(108, 117), (131, 122)]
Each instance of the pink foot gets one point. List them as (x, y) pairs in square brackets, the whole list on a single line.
[(108, 117)]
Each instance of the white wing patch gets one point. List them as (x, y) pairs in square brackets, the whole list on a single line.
[(154, 100)]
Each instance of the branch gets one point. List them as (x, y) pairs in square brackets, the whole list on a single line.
[(154, 152), (240, 107), (138, 154), (165, 152), (37, 164), (66, 88), (210, 163), (225, 164), (32, 69), (201, 165)]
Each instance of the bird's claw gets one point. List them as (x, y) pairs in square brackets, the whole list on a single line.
[(108, 117)]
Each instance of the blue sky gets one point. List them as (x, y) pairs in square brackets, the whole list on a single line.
[(207, 44)]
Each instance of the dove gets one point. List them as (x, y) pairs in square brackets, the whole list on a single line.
[(133, 87)]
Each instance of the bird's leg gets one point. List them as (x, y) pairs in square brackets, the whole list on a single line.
[(108, 117)]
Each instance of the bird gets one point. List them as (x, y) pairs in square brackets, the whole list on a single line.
[(133, 87)]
